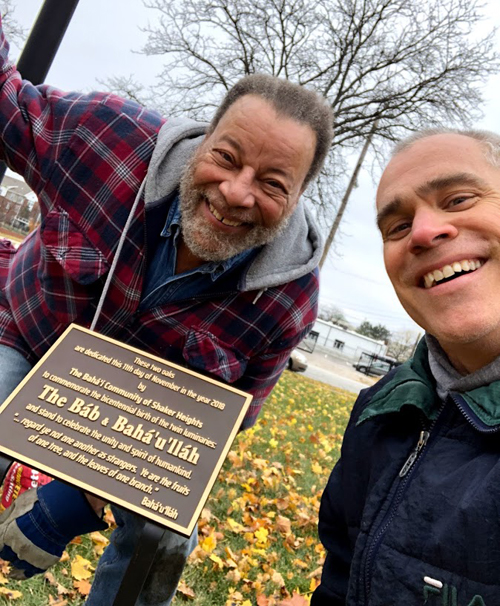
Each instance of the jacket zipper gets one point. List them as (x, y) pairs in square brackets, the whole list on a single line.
[(477, 424), (403, 478), (422, 441)]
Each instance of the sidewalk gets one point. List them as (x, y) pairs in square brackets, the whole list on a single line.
[(323, 358)]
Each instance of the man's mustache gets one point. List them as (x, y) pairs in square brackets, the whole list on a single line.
[(218, 201)]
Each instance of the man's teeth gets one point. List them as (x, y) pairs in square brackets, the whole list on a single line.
[(433, 277), (222, 219)]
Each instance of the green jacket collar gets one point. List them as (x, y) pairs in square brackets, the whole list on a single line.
[(485, 403), (414, 385)]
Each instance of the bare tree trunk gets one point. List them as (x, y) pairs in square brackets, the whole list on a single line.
[(345, 199)]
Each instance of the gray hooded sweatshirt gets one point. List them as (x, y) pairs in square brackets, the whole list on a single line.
[(294, 253)]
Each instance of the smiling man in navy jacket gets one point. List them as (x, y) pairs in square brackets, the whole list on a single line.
[(411, 511)]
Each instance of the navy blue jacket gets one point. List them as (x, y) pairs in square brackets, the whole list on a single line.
[(411, 512)]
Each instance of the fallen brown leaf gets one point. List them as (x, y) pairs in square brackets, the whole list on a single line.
[(234, 576), (234, 597), (295, 600), (186, 591), (83, 587), (50, 578), (283, 525), (109, 518), (100, 542), (315, 574)]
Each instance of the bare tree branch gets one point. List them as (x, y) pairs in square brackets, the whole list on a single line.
[(402, 64), (13, 30)]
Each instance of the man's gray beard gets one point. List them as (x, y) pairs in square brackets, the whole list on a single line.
[(204, 241)]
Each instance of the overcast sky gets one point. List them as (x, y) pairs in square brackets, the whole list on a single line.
[(99, 43)]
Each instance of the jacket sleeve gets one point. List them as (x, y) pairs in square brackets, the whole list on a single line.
[(37, 122), (261, 375), (336, 531), (344, 501), (265, 368), (333, 533)]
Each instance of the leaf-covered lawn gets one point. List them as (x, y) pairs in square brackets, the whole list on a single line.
[(258, 539)]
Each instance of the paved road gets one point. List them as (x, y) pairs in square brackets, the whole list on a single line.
[(332, 378), (323, 366)]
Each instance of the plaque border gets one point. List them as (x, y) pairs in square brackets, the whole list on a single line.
[(143, 511)]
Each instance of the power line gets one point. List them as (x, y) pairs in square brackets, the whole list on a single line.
[(367, 310), (364, 278)]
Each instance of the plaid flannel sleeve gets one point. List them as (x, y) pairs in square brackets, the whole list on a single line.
[(37, 122), (264, 369)]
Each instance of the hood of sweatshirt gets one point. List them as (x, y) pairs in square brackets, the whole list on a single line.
[(293, 254)]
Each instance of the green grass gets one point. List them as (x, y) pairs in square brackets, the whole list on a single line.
[(258, 531)]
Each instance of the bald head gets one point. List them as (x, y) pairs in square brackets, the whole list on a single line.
[(438, 206), (489, 141)]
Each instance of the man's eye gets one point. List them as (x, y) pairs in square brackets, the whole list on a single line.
[(225, 156), (462, 201), (397, 231), (276, 185)]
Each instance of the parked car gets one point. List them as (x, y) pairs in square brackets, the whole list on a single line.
[(376, 368), (297, 361)]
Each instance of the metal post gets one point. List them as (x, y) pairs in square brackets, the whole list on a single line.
[(44, 39), (140, 564), (43, 42)]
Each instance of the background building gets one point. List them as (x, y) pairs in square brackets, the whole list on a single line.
[(342, 342), (19, 210)]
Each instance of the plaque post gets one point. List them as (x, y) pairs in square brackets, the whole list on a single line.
[(139, 565)]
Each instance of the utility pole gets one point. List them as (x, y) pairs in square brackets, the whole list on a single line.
[(43, 42), (345, 199), (417, 340)]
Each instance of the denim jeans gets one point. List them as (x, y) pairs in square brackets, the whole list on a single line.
[(13, 368), (173, 550), (165, 572)]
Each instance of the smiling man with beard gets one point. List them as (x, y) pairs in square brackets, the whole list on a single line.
[(410, 513), (223, 216), (209, 256)]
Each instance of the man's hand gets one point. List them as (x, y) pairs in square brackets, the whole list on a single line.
[(35, 530)]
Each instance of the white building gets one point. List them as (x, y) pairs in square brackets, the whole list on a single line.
[(19, 210), (346, 343)]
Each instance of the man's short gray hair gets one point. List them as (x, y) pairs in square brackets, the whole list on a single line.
[(291, 101), (490, 141)]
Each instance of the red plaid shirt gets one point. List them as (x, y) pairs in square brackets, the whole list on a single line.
[(85, 156)]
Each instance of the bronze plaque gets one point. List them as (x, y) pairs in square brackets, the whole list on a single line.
[(126, 426)]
